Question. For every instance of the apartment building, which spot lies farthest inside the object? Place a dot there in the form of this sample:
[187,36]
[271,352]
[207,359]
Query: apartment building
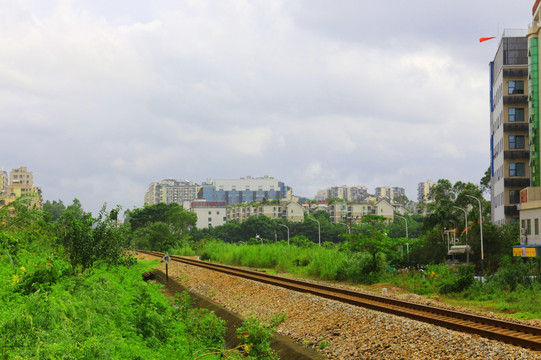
[244,190]
[19,183]
[209,214]
[344,212]
[530,197]
[287,210]
[509,128]
[171,191]
[423,190]
[389,192]
[344,192]
[4,180]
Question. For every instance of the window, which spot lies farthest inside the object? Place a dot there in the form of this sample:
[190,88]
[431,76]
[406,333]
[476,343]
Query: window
[529,226]
[514,196]
[516,142]
[210,219]
[515,87]
[516,169]
[516,114]
[536,226]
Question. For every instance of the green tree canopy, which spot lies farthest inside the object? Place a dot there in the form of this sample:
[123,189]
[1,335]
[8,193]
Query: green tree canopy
[55,208]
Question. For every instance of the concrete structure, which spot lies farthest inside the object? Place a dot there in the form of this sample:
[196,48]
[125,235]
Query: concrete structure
[344,192]
[209,214]
[509,130]
[530,197]
[353,212]
[287,210]
[338,211]
[389,192]
[20,183]
[244,190]
[4,181]
[423,191]
[171,191]
[530,216]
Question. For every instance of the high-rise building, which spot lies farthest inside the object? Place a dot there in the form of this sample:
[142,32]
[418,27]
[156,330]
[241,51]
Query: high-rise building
[389,192]
[21,182]
[171,191]
[530,197]
[244,190]
[423,191]
[3,180]
[509,130]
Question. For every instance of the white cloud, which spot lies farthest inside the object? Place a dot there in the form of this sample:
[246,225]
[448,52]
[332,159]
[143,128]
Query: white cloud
[110,96]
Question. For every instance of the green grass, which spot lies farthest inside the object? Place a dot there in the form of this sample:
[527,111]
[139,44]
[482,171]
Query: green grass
[505,293]
[105,313]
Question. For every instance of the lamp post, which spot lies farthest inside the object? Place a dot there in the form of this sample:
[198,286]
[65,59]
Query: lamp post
[481,232]
[259,238]
[465,221]
[287,232]
[407,236]
[318,230]
[406,221]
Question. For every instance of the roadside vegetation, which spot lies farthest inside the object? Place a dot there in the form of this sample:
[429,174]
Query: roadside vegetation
[69,290]
[378,251]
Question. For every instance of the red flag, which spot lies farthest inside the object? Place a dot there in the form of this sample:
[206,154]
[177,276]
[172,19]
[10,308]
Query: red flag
[486,38]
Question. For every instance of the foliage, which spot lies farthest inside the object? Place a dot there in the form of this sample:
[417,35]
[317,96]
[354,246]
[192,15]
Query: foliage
[515,272]
[460,281]
[375,243]
[160,227]
[87,240]
[255,337]
[55,209]
[108,312]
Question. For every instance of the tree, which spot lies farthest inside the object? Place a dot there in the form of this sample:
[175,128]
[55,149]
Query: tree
[160,226]
[56,209]
[485,181]
[376,241]
[87,240]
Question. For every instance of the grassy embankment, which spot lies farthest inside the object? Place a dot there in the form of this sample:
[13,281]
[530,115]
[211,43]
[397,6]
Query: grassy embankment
[514,290]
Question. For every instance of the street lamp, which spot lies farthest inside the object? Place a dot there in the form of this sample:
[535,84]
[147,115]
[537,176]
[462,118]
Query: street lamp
[318,230]
[407,236]
[481,231]
[465,221]
[406,224]
[287,232]
[259,238]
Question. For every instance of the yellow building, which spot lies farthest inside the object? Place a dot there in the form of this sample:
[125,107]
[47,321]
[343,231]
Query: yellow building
[21,182]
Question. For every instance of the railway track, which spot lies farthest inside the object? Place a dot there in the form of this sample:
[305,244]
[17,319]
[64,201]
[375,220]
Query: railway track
[509,332]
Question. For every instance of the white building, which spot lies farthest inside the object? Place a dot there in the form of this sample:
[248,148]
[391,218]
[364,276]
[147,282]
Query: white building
[209,214]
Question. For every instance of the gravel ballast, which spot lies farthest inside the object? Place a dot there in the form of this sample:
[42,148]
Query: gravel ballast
[340,331]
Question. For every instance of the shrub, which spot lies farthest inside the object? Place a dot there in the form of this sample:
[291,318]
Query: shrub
[256,336]
[459,281]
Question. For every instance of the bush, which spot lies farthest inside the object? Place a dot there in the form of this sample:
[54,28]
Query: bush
[256,337]
[514,272]
[459,281]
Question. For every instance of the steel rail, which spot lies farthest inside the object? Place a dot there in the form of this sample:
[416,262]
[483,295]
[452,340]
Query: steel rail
[509,332]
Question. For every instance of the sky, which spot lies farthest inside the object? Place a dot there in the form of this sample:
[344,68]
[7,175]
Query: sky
[100,98]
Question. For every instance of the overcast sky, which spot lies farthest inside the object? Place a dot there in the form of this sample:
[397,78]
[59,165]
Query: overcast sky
[100,98]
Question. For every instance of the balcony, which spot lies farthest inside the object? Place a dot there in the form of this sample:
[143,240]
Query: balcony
[511,210]
[518,182]
[515,100]
[516,126]
[515,72]
[516,154]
